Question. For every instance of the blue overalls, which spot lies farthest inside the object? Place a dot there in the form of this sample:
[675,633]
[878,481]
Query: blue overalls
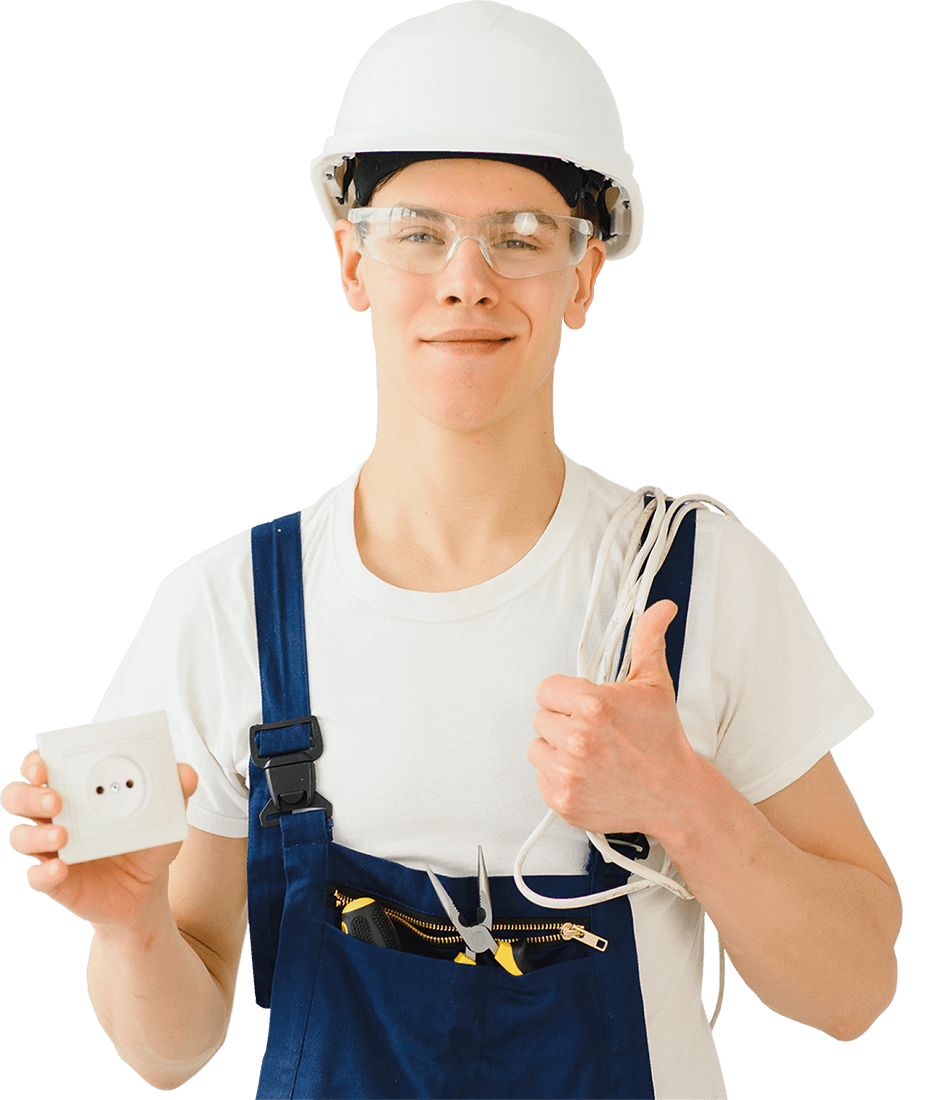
[351,1019]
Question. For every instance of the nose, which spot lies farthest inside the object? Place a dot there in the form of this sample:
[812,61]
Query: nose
[467,278]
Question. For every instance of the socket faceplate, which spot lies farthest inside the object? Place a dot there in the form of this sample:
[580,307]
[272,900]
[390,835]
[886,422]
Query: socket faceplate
[119,786]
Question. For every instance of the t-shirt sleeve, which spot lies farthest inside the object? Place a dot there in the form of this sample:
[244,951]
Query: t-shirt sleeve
[781,699]
[192,659]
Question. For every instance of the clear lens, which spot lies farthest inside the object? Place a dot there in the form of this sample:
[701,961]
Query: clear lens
[517,244]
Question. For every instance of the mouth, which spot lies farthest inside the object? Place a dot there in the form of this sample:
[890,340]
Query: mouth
[467,349]
[473,341]
[451,343]
[470,336]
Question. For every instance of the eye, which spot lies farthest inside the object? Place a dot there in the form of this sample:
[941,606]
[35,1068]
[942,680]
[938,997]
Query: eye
[420,236]
[517,244]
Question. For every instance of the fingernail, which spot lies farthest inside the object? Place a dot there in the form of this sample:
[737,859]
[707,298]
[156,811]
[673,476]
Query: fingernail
[33,773]
[49,801]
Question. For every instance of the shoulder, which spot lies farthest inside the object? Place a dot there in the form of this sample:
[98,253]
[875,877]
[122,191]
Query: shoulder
[735,562]
[223,567]
[226,568]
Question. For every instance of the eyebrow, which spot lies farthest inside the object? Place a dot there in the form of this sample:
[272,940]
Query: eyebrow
[547,220]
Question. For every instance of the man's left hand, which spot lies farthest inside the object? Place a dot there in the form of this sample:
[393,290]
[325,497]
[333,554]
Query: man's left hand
[614,757]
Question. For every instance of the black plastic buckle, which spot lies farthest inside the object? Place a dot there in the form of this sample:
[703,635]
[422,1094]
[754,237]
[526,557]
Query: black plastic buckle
[637,842]
[290,776]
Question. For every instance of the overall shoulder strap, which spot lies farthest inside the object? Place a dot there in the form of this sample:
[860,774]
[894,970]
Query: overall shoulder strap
[673,582]
[280,621]
[285,746]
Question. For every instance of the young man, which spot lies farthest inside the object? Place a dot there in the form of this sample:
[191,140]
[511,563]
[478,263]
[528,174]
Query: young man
[446,584]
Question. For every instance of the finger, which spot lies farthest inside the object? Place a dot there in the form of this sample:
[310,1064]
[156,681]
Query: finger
[536,749]
[47,876]
[541,755]
[33,768]
[562,694]
[25,800]
[551,726]
[649,647]
[189,780]
[43,840]
[38,840]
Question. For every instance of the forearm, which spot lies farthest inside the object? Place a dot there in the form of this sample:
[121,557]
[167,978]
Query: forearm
[813,937]
[156,999]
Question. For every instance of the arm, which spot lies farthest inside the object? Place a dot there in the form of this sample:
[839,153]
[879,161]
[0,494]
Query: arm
[802,897]
[163,989]
[169,925]
[803,900]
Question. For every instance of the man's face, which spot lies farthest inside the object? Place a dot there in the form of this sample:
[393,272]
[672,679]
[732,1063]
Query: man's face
[465,348]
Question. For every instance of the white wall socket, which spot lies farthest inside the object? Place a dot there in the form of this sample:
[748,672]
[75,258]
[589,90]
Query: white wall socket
[119,786]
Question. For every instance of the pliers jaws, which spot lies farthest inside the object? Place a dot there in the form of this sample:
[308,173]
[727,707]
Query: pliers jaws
[476,934]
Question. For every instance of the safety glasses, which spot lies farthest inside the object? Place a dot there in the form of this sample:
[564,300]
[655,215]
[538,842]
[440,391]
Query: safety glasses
[515,244]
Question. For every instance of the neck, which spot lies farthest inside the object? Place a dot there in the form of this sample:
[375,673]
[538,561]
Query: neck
[440,510]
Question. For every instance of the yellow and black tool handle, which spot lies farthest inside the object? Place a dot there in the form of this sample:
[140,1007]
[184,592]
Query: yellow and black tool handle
[512,957]
[364,919]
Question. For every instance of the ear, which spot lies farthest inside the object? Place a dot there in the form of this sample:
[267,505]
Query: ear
[586,273]
[352,275]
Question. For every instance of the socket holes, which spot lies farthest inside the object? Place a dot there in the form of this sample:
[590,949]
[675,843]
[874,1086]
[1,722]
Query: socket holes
[115,788]
[118,787]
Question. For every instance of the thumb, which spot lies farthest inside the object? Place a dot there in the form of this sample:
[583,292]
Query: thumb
[188,778]
[648,646]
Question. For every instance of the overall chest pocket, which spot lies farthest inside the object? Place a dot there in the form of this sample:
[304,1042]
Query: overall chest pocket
[549,940]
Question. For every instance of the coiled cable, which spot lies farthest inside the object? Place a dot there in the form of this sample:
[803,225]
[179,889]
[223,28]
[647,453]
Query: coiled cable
[657,524]
[650,542]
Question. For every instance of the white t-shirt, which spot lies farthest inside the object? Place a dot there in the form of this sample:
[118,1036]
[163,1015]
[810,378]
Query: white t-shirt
[425,700]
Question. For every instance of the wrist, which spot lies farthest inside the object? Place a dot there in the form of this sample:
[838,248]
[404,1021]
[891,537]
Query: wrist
[141,930]
[706,813]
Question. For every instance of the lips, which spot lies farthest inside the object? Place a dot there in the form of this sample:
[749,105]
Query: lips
[469,336]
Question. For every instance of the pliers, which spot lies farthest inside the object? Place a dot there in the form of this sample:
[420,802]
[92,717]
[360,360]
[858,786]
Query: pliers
[477,935]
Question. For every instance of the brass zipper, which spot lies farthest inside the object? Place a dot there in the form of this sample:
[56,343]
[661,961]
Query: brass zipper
[443,934]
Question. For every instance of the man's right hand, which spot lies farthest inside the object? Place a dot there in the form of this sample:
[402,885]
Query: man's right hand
[120,890]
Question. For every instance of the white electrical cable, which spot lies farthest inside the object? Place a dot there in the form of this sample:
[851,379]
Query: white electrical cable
[641,563]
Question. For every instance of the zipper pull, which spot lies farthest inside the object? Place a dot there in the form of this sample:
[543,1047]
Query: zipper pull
[579,932]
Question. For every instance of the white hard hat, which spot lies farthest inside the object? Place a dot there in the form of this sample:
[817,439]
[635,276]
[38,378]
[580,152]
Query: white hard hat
[483,77]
